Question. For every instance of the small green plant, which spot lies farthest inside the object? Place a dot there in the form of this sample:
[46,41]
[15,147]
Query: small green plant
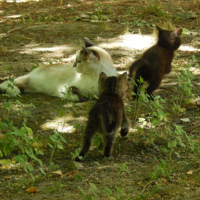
[162,170]
[154,10]
[98,9]
[76,154]
[184,87]
[122,167]
[93,193]
[24,140]
[141,98]
[56,143]
[179,138]
[185,31]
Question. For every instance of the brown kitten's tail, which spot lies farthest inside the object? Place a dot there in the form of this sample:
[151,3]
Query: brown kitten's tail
[107,123]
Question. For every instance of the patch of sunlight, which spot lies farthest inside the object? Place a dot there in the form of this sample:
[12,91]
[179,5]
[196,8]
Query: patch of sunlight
[61,124]
[131,41]
[13,16]
[58,51]
[188,48]
[2,35]
[19,1]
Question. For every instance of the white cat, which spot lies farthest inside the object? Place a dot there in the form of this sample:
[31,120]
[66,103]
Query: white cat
[55,80]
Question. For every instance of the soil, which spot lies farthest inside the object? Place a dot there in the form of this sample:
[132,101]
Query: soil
[45,32]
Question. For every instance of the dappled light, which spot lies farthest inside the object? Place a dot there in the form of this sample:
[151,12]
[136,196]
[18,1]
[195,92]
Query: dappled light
[62,124]
[188,48]
[20,1]
[58,51]
[130,42]
[156,150]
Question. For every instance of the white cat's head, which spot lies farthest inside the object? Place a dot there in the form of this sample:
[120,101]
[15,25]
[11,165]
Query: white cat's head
[93,60]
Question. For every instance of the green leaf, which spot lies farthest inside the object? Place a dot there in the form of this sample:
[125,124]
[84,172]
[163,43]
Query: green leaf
[30,132]
[164,150]
[93,187]
[107,191]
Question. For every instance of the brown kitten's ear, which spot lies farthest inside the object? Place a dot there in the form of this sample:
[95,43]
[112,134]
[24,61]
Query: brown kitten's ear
[102,75]
[179,31]
[88,43]
[124,75]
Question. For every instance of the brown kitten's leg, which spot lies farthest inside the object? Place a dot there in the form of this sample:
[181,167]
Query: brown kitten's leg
[85,148]
[76,91]
[125,125]
[109,144]
[89,133]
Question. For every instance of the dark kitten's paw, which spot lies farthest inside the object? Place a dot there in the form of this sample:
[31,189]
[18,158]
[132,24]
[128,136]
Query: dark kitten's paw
[107,152]
[107,155]
[151,97]
[77,159]
[124,132]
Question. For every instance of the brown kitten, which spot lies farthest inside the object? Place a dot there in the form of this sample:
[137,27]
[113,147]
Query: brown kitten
[107,116]
[156,61]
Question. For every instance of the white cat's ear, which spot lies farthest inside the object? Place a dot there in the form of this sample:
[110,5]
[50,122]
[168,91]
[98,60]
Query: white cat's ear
[89,52]
[178,31]
[88,43]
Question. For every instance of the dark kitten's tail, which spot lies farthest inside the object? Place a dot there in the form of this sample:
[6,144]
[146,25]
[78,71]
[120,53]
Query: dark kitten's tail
[137,64]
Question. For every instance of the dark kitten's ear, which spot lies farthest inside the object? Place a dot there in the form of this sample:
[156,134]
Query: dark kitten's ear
[102,75]
[160,30]
[179,31]
[88,43]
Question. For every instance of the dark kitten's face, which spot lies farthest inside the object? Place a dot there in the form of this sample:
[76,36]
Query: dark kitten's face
[116,85]
[173,37]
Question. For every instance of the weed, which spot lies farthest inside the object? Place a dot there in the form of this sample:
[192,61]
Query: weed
[56,143]
[154,10]
[162,170]
[184,87]
[122,167]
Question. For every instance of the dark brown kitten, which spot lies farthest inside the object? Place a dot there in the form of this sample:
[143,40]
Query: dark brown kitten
[107,116]
[156,61]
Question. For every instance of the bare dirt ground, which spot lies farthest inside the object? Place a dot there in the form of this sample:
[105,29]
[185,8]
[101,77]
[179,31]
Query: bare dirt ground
[44,32]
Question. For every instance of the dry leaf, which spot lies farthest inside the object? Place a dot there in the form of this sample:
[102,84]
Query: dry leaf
[190,172]
[185,120]
[31,190]
[59,173]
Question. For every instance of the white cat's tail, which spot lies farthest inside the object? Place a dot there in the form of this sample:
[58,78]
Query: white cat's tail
[14,87]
